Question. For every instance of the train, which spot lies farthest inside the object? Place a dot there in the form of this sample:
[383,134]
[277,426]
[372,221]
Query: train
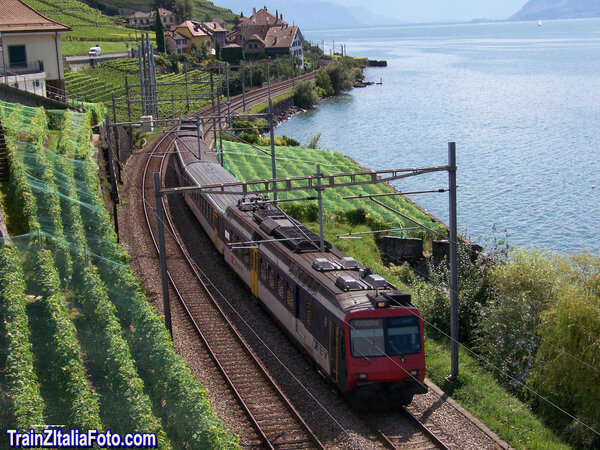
[363,334]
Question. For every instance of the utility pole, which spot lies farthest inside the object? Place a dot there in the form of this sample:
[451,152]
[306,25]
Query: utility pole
[293,80]
[219,93]
[243,75]
[453,261]
[320,202]
[161,253]
[271,133]
[212,98]
[228,103]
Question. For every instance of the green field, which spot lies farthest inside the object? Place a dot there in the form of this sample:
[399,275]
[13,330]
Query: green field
[247,163]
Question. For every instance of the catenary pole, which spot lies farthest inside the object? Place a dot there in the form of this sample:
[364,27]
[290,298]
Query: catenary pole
[272,135]
[453,260]
[320,202]
[161,253]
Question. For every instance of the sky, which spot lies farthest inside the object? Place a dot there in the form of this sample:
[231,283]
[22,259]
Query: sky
[438,10]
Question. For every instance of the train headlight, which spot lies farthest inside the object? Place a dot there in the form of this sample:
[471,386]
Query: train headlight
[382,304]
[361,376]
[414,373]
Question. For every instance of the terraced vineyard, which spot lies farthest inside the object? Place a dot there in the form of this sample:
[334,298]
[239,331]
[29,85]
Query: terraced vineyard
[247,163]
[81,345]
[96,85]
[90,27]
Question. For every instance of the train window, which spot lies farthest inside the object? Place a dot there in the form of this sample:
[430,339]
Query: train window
[367,338]
[280,286]
[403,336]
[272,279]
[263,269]
[308,314]
[289,295]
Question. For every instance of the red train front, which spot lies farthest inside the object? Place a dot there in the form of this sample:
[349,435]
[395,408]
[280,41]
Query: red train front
[385,356]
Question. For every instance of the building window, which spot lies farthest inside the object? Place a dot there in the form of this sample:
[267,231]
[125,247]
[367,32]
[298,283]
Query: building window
[308,314]
[16,56]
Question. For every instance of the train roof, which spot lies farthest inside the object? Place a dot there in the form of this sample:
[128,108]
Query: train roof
[329,275]
[212,173]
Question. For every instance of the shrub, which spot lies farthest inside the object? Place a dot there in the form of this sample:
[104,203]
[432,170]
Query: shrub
[305,94]
[323,81]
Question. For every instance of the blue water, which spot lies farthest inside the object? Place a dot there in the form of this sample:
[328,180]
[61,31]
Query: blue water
[521,102]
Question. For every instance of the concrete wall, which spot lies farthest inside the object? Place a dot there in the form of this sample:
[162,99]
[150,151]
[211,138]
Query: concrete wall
[10,94]
[38,47]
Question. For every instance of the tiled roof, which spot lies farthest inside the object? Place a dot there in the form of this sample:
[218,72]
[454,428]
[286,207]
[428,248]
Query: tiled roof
[263,17]
[214,27]
[16,16]
[281,37]
[194,28]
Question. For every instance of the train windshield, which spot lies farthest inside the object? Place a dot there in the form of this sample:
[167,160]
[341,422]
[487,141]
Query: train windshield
[386,336]
[366,337]
[403,337]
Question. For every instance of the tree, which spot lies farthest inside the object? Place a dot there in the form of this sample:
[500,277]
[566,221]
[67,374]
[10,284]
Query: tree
[183,9]
[524,287]
[324,82]
[305,94]
[160,33]
[572,324]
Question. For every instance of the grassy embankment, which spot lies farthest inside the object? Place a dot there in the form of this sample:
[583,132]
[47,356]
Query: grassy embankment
[476,388]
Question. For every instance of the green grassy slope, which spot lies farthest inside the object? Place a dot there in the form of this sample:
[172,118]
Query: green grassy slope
[246,163]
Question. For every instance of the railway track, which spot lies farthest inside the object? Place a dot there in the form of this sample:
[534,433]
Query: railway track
[404,430]
[274,421]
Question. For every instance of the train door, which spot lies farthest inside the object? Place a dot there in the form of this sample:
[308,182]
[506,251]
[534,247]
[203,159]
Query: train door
[334,350]
[216,223]
[299,299]
[254,271]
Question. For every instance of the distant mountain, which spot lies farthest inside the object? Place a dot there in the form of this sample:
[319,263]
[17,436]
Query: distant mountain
[558,9]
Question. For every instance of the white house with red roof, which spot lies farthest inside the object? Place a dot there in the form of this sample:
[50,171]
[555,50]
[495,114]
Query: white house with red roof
[31,55]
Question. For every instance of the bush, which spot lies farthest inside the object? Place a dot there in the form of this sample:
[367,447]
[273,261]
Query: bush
[342,74]
[474,292]
[524,287]
[323,81]
[305,94]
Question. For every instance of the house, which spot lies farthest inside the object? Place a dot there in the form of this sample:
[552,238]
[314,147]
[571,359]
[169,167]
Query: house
[176,42]
[254,47]
[31,56]
[195,33]
[285,40]
[257,24]
[143,19]
[265,33]
[217,31]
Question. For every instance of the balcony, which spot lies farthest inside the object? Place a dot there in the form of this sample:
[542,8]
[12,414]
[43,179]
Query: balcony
[24,68]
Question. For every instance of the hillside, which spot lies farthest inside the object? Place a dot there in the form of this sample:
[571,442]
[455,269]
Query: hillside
[203,9]
[558,9]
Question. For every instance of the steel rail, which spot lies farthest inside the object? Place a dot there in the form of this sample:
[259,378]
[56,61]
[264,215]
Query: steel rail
[208,347]
[430,434]
[212,354]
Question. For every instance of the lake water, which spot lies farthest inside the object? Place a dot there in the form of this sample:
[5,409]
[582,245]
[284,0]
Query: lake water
[522,103]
